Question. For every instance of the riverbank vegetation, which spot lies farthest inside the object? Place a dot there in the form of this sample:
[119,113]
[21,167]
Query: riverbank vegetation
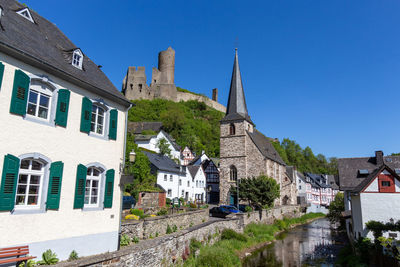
[335,211]
[226,251]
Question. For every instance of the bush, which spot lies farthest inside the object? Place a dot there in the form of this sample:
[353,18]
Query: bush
[135,239]
[138,212]
[174,228]
[248,209]
[168,201]
[231,234]
[217,256]
[194,246]
[169,229]
[48,258]
[29,263]
[162,212]
[193,206]
[125,240]
[73,256]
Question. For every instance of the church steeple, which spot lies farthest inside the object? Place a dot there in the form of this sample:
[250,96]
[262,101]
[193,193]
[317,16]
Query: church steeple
[237,108]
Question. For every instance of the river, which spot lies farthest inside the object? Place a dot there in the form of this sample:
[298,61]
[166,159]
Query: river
[313,244]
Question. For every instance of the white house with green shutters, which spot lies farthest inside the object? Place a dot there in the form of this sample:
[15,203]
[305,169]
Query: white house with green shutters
[62,141]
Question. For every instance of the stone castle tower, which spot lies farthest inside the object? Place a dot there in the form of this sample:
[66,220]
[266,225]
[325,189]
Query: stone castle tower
[162,85]
[244,151]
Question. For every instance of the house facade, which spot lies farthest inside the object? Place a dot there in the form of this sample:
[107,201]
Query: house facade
[63,141]
[187,156]
[371,188]
[198,177]
[244,151]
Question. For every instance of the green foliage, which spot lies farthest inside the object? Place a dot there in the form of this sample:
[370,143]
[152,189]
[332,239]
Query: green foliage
[335,210]
[163,146]
[162,212]
[174,228]
[138,212]
[248,209]
[191,123]
[29,263]
[73,256]
[194,246]
[258,191]
[148,132]
[125,240]
[231,234]
[304,159]
[135,239]
[48,258]
[217,256]
[193,206]
[168,201]
[347,257]
[169,230]
[179,89]
[378,227]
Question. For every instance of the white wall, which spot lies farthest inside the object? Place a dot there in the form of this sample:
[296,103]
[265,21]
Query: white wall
[201,178]
[373,187]
[152,145]
[72,147]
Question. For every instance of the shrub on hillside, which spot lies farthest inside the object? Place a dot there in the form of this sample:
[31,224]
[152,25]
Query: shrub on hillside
[231,234]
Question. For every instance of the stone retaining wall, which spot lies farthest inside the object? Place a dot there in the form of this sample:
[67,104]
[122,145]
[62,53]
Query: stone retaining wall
[152,225]
[269,216]
[184,96]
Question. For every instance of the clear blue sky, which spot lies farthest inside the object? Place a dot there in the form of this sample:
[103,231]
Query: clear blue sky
[324,73]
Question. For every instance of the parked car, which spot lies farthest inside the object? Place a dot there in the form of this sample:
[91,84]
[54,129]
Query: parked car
[219,212]
[232,209]
[128,202]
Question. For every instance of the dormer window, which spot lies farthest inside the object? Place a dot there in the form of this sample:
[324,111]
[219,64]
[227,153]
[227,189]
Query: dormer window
[77,58]
[26,14]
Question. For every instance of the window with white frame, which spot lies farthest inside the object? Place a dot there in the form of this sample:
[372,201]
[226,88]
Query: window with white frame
[169,193]
[188,183]
[30,182]
[180,181]
[77,58]
[92,190]
[97,122]
[197,183]
[183,193]
[39,100]
[171,178]
[165,178]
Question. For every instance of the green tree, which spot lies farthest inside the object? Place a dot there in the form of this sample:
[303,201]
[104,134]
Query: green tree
[259,191]
[336,208]
[163,146]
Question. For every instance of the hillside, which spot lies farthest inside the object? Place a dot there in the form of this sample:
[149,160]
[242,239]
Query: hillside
[196,125]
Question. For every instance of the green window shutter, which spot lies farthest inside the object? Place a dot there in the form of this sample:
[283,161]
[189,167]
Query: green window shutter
[86,115]
[1,73]
[112,132]
[109,189]
[62,107]
[9,180]
[80,187]
[20,91]
[54,190]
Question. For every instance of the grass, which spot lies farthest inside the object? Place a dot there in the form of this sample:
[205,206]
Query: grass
[225,251]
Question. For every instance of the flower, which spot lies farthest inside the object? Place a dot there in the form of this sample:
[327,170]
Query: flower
[131,217]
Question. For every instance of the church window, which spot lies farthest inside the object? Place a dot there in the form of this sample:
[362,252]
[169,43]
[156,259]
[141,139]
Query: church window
[231,129]
[233,173]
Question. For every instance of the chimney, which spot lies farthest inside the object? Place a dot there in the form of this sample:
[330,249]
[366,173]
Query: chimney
[379,157]
[215,94]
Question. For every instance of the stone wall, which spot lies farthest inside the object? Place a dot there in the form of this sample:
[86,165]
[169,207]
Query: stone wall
[153,225]
[269,216]
[183,96]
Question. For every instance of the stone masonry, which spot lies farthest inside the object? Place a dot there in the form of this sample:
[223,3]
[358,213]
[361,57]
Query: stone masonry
[162,85]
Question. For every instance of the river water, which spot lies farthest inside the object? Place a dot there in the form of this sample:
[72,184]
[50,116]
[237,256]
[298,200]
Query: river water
[313,244]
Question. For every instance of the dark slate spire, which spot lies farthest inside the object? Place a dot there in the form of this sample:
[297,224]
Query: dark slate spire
[237,108]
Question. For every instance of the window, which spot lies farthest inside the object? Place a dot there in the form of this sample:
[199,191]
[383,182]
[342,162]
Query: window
[169,192]
[188,183]
[92,187]
[180,181]
[232,129]
[26,14]
[171,178]
[385,183]
[183,193]
[97,122]
[165,177]
[233,173]
[29,186]
[197,183]
[299,187]
[39,100]
[77,58]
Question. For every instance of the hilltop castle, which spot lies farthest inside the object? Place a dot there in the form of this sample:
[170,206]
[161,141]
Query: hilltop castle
[162,83]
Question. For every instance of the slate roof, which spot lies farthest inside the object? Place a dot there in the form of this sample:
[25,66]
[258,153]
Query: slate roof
[193,169]
[139,127]
[43,45]
[332,182]
[372,176]
[349,176]
[163,163]
[317,180]
[290,172]
[237,108]
[265,147]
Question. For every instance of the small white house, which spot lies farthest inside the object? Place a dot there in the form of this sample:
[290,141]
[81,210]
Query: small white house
[198,178]
[372,187]
[150,142]
[62,142]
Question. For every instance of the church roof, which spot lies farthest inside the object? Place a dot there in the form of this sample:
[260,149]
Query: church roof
[237,108]
[265,147]
[40,43]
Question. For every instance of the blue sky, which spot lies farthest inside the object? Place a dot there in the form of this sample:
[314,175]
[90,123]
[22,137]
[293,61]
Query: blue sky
[324,73]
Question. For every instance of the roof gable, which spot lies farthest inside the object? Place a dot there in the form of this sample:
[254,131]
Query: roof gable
[368,184]
[265,147]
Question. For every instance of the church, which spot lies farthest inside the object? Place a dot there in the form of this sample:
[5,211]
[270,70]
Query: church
[246,152]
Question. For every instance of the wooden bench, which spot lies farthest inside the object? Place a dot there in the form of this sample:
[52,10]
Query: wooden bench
[15,254]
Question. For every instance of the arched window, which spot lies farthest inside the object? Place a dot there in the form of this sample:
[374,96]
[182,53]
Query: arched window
[40,99]
[97,121]
[77,58]
[233,173]
[232,129]
[92,189]
[30,182]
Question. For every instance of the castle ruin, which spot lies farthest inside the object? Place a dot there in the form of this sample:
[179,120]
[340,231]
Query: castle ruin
[162,85]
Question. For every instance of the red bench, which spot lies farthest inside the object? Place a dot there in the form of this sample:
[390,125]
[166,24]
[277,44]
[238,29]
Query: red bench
[15,254]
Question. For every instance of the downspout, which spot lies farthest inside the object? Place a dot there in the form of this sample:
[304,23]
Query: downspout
[121,173]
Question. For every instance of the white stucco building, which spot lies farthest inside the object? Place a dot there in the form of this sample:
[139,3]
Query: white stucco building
[198,187]
[372,187]
[62,143]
